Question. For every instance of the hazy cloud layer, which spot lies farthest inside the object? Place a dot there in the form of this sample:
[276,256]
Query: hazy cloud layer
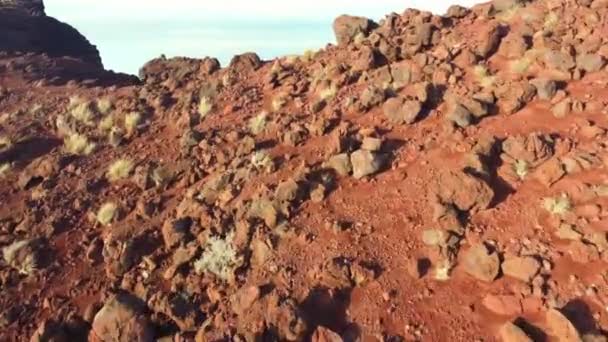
[130,32]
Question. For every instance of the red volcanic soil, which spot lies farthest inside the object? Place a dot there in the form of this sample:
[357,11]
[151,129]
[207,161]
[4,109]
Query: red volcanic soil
[430,178]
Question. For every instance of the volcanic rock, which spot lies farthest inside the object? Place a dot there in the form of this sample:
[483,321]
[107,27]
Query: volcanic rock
[347,27]
[481,263]
[122,319]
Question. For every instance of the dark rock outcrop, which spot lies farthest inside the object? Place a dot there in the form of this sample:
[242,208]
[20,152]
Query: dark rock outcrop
[37,46]
[22,32]
[31,7]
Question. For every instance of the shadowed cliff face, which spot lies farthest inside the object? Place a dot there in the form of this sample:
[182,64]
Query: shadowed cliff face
[25,28]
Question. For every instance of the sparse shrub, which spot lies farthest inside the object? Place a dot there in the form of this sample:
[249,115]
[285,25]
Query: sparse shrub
[278,102]
[228,79]
[132,120]
[442,270]
[104,106]
[521,65]
[115,136]
[5,142]
[25,265]
[219,258]
[557,205]
[308,55]
[276,68]
[119,169]
[4,169]
[106,123]
[291,59]
[521,168]
[37,108]
[204,106]
[328,93]
[482,74]
[257,124]
[82,111]
[359,38]
[261,160]
[63,126]
[508,14]
[78,144]
[551,20]
[106,213]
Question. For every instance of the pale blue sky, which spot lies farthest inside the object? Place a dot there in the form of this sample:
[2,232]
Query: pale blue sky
[130,32]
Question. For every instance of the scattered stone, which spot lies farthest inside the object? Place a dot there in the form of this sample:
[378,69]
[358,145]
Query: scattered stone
[317,193]
[365,163]
[560,327]
[504,305]
[217,183]
[456,11]
[506,5]
[459,115]
[488,40]
[522,268]
[559,60]
[264,210]
[178,308]
[510,332]
[401,73]
[568,232]
[513,46]
[477,108]
[364,59]
[322,334]
[399,110]
[122,319]
[340,163]
[590,62]
[550,172]
[180,257]
[545,88]
[533,149]
[562,108]
[295,136]
[289,323]
[175,231]
[434,237]
[447,217]
[466,192]
[481,263]
[49,331]
[594,337]
[36,172]
[371,97]
[244,299]
[371,144]
[588,211]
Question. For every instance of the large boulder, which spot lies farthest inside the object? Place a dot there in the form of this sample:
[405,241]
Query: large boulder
[177,68]
[245,62]
[399,110]
[347,27]
[463,190]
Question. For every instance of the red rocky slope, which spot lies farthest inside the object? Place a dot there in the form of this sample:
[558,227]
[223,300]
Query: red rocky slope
[431,178]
